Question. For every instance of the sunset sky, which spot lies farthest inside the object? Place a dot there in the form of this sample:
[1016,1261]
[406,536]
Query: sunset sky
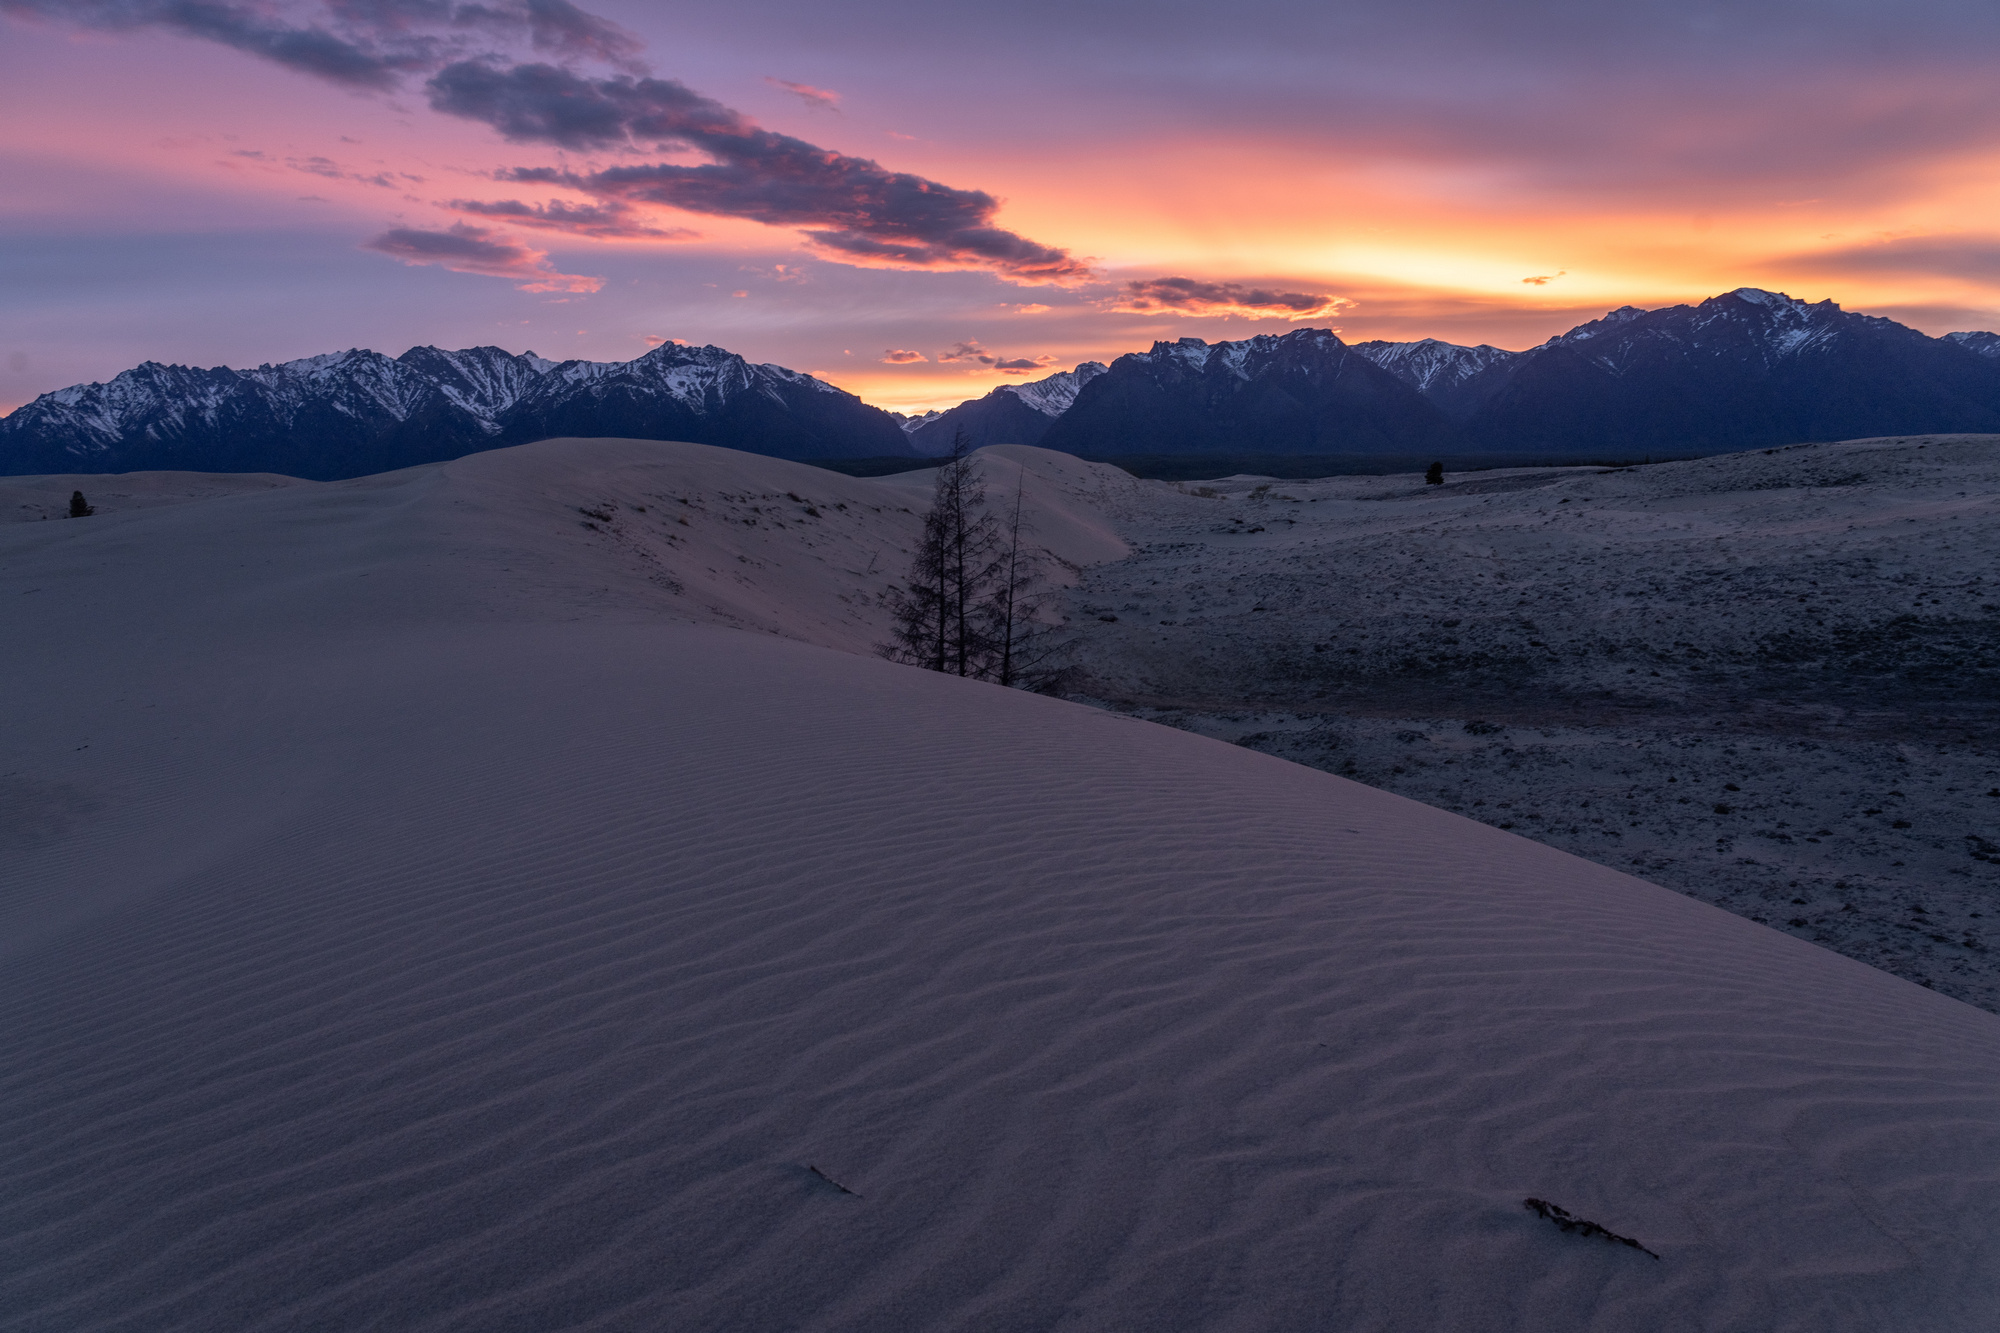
[918,202]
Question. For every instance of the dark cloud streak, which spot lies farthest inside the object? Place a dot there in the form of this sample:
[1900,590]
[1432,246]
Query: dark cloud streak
[851,208]
[464,248]
[378,64]
[542,103]
[597,221]
[1192,296]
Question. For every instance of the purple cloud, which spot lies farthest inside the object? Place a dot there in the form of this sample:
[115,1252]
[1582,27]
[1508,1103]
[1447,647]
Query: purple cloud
[818,98]
[1191,296]
[1022,365]
[850,207]
[561,29]
[464,248]
[602,222]
[542,103]
[976,353]
[966,351]
[377,62]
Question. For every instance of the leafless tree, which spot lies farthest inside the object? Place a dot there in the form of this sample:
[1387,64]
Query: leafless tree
[938,620]
[1023,648]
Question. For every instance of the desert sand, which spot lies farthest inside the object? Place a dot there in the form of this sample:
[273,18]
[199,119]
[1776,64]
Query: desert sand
[506,894]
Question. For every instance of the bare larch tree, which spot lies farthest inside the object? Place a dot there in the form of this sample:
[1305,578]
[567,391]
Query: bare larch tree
[1023,648]
[938,624]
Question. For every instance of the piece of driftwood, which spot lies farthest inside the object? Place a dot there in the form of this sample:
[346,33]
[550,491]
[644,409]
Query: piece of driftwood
[1563,1218]
[831,1181]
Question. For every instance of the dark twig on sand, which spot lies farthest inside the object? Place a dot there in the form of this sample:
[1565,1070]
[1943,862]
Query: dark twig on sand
[1562,1218]
[831,1181]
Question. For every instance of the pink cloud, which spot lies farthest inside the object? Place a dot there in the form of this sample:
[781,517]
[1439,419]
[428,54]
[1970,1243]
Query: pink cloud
[819,98]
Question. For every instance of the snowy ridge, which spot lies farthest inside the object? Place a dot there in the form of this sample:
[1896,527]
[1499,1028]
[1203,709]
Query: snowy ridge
[1624,314]
[1771,369]
[1772,325]
[1234,357]
[1052,396]
[1433,367]
[354,412]
[1980,343]
[483,382]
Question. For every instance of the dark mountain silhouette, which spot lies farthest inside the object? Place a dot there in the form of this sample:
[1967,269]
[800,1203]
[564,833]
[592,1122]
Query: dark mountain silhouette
[1303,392]
[1010,414]
[1744,370]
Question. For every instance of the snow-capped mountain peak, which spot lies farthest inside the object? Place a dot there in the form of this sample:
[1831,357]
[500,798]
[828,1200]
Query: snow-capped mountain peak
[1771,300]
[1431,366]
[328,414]
[1052,396]
[1978,342]
[1235,356]
[1607,323]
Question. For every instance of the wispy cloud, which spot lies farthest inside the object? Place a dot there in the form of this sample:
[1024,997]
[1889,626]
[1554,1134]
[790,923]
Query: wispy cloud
[464,248]
[1968,257]
[897,356]
[1192,296]
[966,351]
[848,208]
[1023,365]
[975,353]
[820,99]
[596,221]
[361,45]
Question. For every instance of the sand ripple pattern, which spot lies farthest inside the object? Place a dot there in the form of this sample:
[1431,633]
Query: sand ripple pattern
[513,977]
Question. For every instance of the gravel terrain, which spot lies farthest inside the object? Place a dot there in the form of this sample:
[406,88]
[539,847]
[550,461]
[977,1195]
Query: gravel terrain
[1770,680]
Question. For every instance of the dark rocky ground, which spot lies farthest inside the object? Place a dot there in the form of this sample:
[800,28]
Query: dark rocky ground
[1770,681]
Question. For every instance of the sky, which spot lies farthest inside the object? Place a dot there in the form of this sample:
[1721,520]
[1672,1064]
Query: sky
[919,202]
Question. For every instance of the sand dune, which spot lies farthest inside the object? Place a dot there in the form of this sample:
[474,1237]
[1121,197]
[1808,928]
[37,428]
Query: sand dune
[423,914]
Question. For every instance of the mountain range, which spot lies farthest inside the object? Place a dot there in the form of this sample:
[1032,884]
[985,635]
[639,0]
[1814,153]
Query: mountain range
[1743,370]
[349,414]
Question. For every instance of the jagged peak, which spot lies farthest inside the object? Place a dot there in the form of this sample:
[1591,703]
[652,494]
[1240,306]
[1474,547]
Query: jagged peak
[1197,353]
[1980,342]
[1775,300]
[1053,394]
